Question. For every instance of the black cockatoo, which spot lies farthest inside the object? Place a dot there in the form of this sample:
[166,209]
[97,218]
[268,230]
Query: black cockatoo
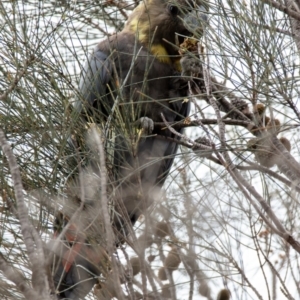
[131,79]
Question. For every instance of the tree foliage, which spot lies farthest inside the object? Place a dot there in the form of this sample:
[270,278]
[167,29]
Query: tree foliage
[228,218]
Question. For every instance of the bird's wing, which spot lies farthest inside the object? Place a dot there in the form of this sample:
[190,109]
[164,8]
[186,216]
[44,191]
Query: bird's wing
[174,112]
[171,149]
[95,76]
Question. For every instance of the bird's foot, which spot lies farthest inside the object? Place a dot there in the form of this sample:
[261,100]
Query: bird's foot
[191,66]
[146,124]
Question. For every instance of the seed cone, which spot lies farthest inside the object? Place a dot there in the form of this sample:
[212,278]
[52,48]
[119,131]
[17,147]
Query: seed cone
[242,106]
[260,108]
[189,45]
[172,261]
[136,265]
[286,143]
[204,289]
[273,126]
[265,157]
[252,144]
[151,258]
[145,240]
[280,161]
[203,152]
[263,152]
[224,295]
[162,275]
[162,229]
[267,120]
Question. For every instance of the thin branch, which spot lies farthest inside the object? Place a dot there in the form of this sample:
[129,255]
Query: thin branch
[20,74]
[283,8]
[15,276]
[104,202]
[109,234]
[185,124]
[31,237]
[242,183]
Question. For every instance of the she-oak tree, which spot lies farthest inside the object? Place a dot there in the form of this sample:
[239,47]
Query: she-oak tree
[229,217]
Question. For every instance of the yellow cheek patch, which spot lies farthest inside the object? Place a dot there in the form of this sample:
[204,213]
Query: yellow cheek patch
[139,28]
[161,53]
[177,65]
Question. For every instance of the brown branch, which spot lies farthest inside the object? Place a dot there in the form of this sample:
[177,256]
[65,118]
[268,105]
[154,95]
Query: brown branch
[183,124]
[283,8]
[20,74]
[242,183]
[287,163]
[256,167]
[276,29]
[244,276]
[18,279]
[105,213]
[32,240]
[103,183]
[169,272]
[157,125]
[244,186]
[280,230]
[252,167]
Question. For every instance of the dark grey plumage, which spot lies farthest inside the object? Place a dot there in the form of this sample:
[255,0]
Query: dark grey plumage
[129,81]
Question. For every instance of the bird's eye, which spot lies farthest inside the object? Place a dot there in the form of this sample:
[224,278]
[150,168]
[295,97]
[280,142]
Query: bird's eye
[173,10]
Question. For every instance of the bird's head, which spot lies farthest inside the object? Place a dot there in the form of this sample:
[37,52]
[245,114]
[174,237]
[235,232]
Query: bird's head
[162,25]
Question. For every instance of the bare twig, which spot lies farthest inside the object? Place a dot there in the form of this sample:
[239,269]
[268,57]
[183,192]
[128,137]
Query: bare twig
[283,8]
[15,276]
[32,240]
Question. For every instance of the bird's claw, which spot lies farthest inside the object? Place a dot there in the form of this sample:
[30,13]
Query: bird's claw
[146,124]
[190,67]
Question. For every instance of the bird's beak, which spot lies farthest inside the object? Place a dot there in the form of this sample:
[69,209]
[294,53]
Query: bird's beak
[196,20]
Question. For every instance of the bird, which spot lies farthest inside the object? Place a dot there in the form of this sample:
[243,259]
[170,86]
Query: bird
[134,77]
[131,80]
